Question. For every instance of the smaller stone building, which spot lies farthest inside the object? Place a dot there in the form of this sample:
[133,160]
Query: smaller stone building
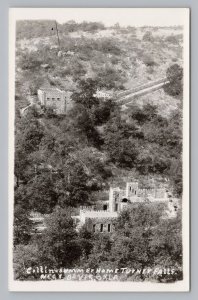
[54,98]
[38,222]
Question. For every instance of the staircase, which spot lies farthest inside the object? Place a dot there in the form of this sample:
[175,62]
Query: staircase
[127,97]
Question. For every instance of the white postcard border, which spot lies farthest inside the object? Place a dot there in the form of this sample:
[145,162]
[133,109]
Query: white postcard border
[183,14]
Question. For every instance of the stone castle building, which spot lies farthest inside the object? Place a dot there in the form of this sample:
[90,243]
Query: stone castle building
[101,218]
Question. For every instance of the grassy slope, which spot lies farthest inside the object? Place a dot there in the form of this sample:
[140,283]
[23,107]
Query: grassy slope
[140,61]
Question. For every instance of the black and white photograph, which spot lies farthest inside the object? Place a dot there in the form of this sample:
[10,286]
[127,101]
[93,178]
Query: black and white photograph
[99,149]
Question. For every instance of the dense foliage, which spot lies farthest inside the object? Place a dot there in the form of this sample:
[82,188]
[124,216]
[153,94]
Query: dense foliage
[63,161]
[175,75]
[142,240]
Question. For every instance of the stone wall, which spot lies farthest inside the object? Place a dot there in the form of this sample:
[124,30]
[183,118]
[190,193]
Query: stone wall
[92,214]
[134,194]
[103,225]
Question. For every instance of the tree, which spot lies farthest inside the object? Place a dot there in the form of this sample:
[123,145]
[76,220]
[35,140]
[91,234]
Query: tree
[109,78]
[21,166]
[134,230]
[85,96]
[101,113]
[86,239]
[120,141]
[143,115]
[30,135]
[25,256]
[84,125]
[41,193]
[100,255]
[22,225]
[81,176]
[166,247]
[176,175]
[175,76]
[142,239]
[89,111]
[59,240]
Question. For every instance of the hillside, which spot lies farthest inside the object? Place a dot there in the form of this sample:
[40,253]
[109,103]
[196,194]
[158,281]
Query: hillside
[142,141]
[67,160]
[119,58]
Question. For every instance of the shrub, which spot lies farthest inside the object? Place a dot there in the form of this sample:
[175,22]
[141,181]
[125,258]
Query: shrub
[148,61]
[148,37]
[172,39]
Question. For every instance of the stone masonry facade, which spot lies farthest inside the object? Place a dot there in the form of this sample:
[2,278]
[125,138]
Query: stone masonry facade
[103,219]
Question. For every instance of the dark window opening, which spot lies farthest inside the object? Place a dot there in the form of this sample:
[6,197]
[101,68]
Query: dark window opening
[94,228]
[58,98]
[105,207]
[109,227]
[101,227]
[124,200]
[116,207]
[135,192]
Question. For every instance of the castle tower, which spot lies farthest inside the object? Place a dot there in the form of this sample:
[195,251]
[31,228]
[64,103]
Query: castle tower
[131,189]
[114,197]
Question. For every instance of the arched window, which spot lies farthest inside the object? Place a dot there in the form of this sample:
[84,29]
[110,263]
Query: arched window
[101,227]
[109,227]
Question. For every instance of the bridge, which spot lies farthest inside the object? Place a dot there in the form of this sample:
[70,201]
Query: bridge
[126,97]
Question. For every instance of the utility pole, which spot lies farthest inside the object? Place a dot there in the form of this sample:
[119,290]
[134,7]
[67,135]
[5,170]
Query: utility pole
[56,25]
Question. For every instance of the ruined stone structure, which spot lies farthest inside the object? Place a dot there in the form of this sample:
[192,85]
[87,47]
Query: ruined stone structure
[54,98]
[103,219]
[102,94]
[102,216]
[37,222]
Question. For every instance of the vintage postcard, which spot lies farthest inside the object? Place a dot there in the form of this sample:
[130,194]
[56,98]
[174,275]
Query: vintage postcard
[99,149]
